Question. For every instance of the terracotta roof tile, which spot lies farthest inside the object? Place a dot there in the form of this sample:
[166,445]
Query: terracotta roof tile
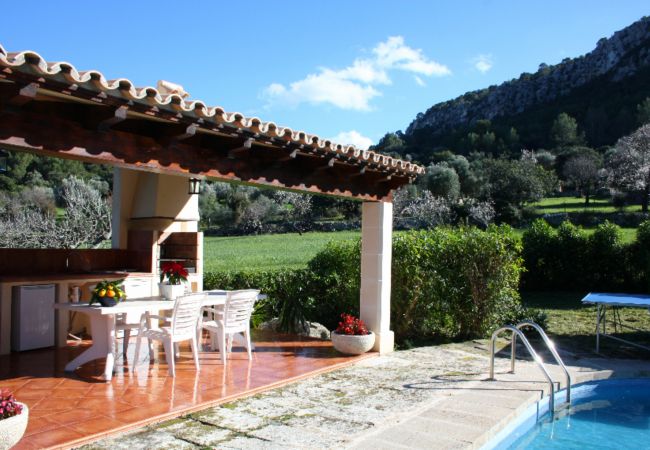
[170,97]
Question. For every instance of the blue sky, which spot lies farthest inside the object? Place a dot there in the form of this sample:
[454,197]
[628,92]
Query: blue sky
[351,70]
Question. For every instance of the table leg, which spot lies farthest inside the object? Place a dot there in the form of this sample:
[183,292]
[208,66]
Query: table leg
[598,328]
[103,331]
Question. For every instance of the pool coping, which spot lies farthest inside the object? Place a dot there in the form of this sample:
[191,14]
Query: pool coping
[534,408]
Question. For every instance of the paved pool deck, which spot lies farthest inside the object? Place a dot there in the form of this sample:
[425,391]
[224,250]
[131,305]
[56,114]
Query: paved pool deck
[427,397]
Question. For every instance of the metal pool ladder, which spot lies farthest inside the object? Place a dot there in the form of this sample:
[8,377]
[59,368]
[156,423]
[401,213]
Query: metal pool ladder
[516,332]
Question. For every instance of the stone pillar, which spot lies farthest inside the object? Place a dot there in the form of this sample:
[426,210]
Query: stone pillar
[376,255]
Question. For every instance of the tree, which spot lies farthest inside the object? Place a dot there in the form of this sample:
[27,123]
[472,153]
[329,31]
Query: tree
[643,111]
[629,164]
[564,131]
[512,183]
[584,172]
[85,223]
[430,211]
[391,142]
[442,181]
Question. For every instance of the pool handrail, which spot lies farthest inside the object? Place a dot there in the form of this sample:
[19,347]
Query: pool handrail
[551,346]
[540,362]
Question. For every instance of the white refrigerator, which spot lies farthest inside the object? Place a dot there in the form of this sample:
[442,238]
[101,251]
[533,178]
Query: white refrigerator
[32,317]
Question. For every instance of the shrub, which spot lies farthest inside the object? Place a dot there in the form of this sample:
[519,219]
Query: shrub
[334,282]
[567,258]
[453,283]
[642,254]
[540,256]
[607,258]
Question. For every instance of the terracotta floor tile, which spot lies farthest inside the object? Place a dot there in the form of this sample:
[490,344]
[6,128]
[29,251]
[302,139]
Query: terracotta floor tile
[69,393]
[51,405]
[96,426]
[79,414]
[65,408]
[55,437]
[39,425]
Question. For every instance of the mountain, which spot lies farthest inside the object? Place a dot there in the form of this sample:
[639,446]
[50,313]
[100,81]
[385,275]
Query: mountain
[601,90]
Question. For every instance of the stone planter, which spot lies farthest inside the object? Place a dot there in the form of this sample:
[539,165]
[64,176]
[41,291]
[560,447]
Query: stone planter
[13,428]
[171,291]
[353,344]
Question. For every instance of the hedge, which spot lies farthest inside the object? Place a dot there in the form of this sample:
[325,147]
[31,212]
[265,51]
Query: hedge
[451,283]
[567,258]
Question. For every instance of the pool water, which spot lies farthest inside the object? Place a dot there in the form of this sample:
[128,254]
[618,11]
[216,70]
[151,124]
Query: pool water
[611,414]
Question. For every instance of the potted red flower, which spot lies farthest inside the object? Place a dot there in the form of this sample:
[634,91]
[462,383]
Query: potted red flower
[352,336]
[172,276]
[13,419]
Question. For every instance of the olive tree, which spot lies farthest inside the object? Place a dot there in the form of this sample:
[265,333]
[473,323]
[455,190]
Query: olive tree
[629,164]
[86,221]
[584,172]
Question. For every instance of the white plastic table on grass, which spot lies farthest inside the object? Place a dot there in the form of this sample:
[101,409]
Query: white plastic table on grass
[603,300]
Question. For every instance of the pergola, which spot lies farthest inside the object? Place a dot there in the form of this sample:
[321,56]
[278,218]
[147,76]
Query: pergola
[156,139]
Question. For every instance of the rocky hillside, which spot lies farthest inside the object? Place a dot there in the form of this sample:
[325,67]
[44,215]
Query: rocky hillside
[615,60]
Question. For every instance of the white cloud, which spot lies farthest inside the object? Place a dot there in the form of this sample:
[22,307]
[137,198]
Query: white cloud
[353,87]
[394,54]
[324,87]
[352,137]
[483,63]
[419,81]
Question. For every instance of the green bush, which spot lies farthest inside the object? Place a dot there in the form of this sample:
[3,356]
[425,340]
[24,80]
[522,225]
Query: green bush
[607,258]
[452,283]
[642,254]
[567,258]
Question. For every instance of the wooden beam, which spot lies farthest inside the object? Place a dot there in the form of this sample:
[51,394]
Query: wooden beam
[190,131]
[118,116]
[54,134]
[245,148]
[25,95]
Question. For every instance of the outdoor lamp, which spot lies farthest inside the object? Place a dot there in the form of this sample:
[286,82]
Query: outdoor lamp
[3,160]
[195,186]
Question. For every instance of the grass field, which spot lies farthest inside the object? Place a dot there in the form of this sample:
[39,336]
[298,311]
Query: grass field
[267,252]
[552,205]
[573,325]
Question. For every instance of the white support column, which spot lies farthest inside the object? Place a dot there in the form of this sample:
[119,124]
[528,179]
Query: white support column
[376,256]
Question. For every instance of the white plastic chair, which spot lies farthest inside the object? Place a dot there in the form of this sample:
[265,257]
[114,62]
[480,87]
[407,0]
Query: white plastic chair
[234,317]
[182,327]
[123,323]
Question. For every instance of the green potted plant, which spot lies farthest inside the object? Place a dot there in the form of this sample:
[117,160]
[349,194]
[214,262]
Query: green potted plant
[352,336]
[172,277]
[108,293]
[13,419]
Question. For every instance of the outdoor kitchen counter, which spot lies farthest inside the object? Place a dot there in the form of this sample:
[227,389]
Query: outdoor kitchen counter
[67,276]
[63,282]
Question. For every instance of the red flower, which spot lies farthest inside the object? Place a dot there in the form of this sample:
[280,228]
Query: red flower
[350,325]
[8,405]
[174,271]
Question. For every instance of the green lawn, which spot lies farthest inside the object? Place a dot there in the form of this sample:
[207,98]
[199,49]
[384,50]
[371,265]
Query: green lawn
[552,205]
[267,252]
[573,325]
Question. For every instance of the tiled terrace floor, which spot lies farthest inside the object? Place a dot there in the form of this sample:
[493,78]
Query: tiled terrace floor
[70,409]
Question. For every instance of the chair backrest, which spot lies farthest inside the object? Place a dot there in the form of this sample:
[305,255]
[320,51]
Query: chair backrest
[186,314]
[238,309]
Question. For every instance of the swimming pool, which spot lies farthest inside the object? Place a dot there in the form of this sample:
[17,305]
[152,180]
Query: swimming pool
[603,415]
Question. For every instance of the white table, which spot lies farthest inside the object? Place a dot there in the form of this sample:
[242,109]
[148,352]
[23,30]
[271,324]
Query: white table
[603,300]
[102,323]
